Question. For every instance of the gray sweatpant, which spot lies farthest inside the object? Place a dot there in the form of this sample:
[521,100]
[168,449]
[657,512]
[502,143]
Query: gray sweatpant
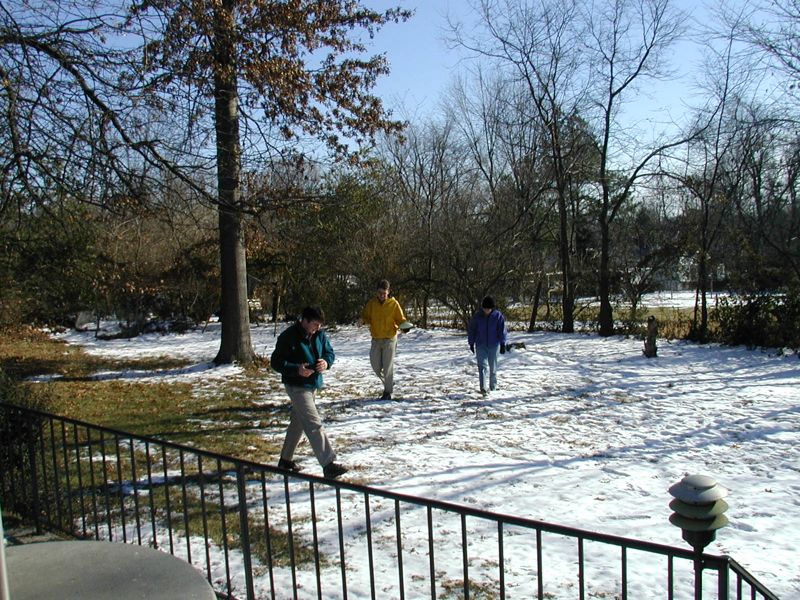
[381,357]
[306,419]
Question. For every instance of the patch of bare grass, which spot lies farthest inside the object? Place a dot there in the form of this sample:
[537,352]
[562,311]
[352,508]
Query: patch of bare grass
[229,419]
[28,352]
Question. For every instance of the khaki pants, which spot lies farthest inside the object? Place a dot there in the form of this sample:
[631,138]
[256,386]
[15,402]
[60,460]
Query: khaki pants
[306,419]
[381,357]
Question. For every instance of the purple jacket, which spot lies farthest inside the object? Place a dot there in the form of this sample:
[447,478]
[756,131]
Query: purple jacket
[487,330]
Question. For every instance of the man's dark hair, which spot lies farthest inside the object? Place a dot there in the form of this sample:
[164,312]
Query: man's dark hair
[313,313]
[383,284]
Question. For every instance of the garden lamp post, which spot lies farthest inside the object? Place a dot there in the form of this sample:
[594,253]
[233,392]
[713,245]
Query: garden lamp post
[699,511]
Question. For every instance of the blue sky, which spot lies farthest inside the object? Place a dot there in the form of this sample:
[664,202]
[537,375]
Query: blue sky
[422,66]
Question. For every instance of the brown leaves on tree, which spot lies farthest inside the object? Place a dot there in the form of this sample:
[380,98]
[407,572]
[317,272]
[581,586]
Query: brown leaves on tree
[298,65]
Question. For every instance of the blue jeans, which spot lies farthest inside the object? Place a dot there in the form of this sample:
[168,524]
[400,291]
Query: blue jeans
[487,365]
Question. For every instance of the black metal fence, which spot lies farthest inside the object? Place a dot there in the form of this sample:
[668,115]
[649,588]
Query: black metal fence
[259,532]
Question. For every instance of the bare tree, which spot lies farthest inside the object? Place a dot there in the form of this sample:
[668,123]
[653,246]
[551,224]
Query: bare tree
[578,63]
[647,249]
[508,150]
[535,45]
[772,30]
[766,223]
[771,27]
[424,172]
[625,45]
[72,122]
[714,169]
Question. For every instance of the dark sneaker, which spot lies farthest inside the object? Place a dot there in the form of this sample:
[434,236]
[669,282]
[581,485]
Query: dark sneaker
[484,393]
[289,465]
[332,470]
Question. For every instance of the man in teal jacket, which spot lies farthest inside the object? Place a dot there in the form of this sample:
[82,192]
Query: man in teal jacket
[302,353]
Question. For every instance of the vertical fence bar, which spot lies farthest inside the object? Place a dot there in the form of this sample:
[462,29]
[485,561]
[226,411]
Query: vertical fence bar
[315,538]
[244,531]
[135,485]
[5,435]
[34,482]
[399,548]
[203,511]
[698,575]
[464,555]
[19,474]
[67,478]
[723,581]
[106,495]
[370,557]
[151,494]
[185,499]
[624,574]
[80,479]
[581,573]
[431,559]
[95,515]
[223,524]
[341,540]
[17,477]
[42,462]
[290,532]
[167,502]
[670,578]
[56,474]
[120,490]
[539,571]
[501,560]
[267,533]
[5,593]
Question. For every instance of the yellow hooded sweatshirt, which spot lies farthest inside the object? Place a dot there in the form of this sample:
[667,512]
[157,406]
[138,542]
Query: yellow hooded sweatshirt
[383,318]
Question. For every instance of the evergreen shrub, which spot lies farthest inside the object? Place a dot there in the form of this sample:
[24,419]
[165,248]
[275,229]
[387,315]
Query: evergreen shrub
[760,320]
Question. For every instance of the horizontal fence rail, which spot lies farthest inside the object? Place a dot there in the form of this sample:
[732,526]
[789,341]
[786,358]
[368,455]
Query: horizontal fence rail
[256,531]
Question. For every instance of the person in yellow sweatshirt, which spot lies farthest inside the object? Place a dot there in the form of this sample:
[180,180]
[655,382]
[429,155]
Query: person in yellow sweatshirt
[384,316]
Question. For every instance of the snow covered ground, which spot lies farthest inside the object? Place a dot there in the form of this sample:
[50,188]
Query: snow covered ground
[583,431]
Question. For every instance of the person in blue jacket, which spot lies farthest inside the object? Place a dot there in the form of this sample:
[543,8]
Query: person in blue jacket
[487,335]
[302,354]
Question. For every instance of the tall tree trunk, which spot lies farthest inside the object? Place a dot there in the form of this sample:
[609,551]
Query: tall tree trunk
[699,328]
[702,328]
[426,294]
[567,285]
[235,345]
[606,316]
[535,310]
